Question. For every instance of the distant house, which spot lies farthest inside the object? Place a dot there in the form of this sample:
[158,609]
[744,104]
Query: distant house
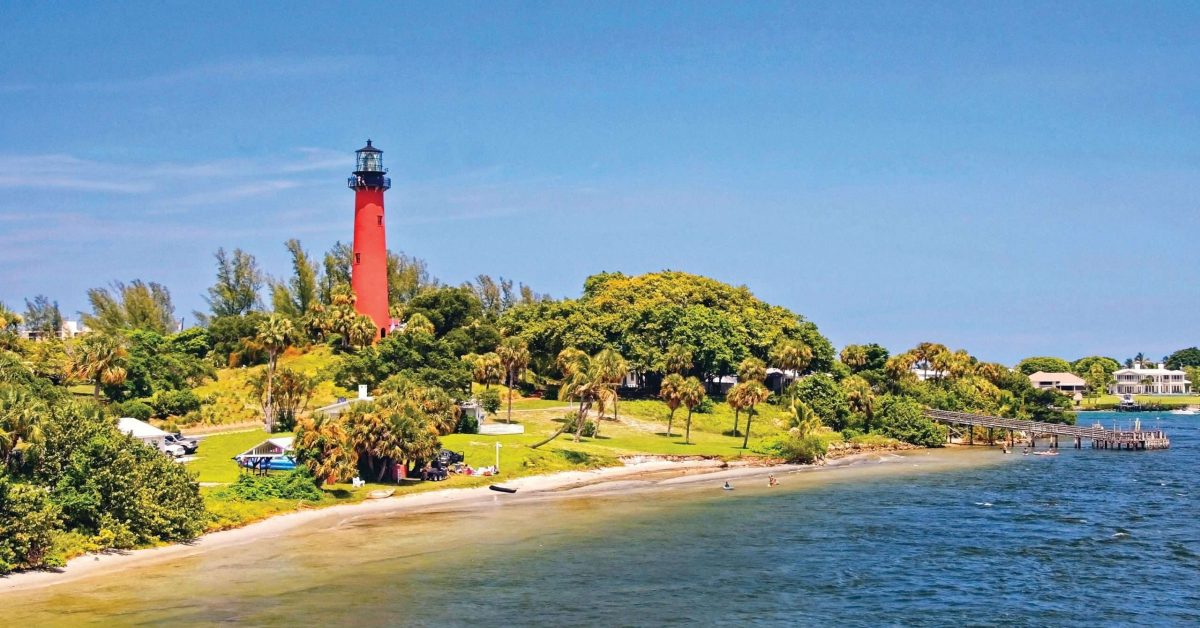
[1068,384]
[341,405]
[779,379]
[69,329]
[142,431]
[1156,380]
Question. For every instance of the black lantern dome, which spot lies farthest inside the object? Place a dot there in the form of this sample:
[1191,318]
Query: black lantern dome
[369,171]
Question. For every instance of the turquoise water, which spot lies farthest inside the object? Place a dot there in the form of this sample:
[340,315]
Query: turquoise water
[1087,538]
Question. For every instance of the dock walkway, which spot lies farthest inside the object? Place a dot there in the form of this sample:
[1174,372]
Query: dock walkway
[1134,439]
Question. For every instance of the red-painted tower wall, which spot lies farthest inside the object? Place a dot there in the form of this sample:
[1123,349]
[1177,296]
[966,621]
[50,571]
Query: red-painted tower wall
[368,270]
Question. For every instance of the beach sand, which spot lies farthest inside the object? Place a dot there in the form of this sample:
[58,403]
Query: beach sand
[644,474]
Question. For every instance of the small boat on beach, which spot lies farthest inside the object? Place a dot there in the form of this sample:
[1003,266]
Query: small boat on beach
[502,489]
[381,493]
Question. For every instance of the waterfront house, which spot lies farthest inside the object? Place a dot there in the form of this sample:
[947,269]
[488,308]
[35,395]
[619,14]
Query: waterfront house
[1068,384]
[1155,380]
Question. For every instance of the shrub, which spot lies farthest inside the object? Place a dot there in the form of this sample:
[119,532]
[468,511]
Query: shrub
[572,421]
[297,484]
[795,448]
[904,419]
[134,408]
[705,406]
[467,424]
[174,402]
[28,521]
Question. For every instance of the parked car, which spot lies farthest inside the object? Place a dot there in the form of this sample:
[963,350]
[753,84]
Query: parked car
[189,445]
[174,451]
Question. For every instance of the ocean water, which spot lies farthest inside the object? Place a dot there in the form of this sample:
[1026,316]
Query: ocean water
[1087,538]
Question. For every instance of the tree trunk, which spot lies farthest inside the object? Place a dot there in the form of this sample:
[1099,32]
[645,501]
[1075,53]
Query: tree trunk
[749,418]
[687,431]
[96,390]
[510,379]
[736,415]
[268,407]
[670,419]
[582,418]
[552,436]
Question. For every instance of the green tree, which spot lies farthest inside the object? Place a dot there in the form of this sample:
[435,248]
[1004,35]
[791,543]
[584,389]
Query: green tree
[239,281]
[274,336]
[1029,366]
[671,392]
[904,419]
[1083,366]
[677,359]
[418,323]
[860,398]
[294,297]
[611,367]
[325,447]
[825,397]
[29,521]
[691,395]
[737,399]
[20,425]
[791,355]
[755,394]
[752,370]
[136,305]
[42,316]
[99,358]
[1098,380]
[514,357]
[1183,358]
[9,320]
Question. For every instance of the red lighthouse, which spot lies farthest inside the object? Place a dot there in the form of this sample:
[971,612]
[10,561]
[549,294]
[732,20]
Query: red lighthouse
[368,271]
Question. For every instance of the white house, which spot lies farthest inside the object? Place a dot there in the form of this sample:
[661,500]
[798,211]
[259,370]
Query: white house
[142,431]
[1156,380]
[1067,383]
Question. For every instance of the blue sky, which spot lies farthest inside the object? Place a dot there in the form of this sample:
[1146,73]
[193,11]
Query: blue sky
[1015,179]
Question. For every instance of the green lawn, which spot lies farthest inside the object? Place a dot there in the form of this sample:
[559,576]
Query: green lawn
[641,431]
[1161,400]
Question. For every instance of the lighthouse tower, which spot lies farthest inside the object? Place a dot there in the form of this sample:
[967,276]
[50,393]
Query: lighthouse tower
[368,270]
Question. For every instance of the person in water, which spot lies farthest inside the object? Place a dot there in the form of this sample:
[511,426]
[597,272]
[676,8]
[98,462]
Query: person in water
[771,481]
[728,486]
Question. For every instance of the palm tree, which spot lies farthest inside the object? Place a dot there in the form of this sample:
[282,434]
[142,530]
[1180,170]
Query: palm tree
[362,331]
[860,398]
[418,323]
[736,398]
[755,393]
[752,370]
[791,355]
[100,358]
[677,359]
[803,419]
[611,368]
[514,358]
[487,367]
[274,335]
[854,356]
[20,423]
[8,318]
[671,393]
[325,446]
[691,395]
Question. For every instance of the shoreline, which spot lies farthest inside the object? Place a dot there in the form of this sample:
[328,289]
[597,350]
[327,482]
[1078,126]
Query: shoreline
[555,485]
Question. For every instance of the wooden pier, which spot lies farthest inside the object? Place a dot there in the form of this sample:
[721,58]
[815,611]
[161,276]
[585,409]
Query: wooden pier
[1135,439]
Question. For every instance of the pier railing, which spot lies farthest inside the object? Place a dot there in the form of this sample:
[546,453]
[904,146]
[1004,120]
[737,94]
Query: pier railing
[1100,437]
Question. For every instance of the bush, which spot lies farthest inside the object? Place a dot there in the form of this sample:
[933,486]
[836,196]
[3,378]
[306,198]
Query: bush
[297,484]
[467,424]
[705,406]
[134,408]
[174,402]
[851,433]
[572,421]
[795,448]
[904,419]
[28,521]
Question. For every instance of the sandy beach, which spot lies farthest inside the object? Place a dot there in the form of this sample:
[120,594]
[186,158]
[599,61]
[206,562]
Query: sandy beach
[644,473]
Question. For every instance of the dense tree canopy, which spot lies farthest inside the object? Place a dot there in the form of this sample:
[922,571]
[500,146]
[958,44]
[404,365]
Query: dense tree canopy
[1029,366]
[643,316]
[1184,357]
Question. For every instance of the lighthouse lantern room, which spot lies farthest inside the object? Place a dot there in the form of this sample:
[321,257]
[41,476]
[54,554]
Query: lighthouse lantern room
[368,270]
